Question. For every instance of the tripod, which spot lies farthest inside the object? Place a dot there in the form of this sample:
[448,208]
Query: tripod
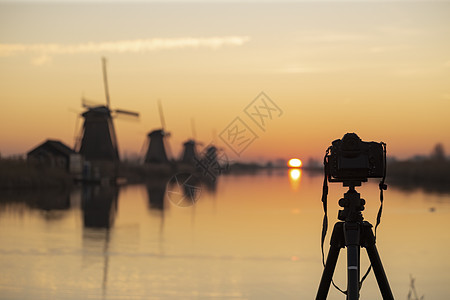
[353,233]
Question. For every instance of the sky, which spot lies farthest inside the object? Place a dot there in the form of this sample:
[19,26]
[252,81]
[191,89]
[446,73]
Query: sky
[263,80]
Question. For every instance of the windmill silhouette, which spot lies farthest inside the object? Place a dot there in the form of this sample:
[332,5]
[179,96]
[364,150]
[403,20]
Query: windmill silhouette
[99,142]
[156,146]
[211,163]
[189,154]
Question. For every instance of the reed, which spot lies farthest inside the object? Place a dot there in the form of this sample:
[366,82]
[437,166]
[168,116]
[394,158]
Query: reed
[19,174]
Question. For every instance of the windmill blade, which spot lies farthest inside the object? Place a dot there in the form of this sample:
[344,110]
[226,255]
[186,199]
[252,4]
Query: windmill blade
[127,112]
[105,81]
[167,145]
[161,115]
[125,115]
[144,149]
[166,136]
[77,134]
[163,126]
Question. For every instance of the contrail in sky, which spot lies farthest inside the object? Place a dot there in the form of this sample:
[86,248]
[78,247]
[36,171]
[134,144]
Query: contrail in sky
[124,46]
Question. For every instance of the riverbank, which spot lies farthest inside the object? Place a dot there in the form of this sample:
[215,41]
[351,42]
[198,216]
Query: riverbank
[429,174]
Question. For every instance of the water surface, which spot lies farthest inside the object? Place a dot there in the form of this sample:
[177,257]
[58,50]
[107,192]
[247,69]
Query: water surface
[247,237]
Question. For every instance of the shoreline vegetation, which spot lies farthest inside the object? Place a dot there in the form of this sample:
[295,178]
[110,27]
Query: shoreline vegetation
[17,173]
[429,173]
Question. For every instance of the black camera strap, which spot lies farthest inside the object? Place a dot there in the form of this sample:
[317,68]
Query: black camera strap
[325,215]
[382,186]
[325,202]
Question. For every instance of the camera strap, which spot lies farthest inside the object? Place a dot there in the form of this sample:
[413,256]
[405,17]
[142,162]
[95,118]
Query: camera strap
[382,186]
[325,215]
[324,202]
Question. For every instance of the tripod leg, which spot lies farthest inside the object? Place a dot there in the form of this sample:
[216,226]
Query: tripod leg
[377,266]
[337,242]
[352,239]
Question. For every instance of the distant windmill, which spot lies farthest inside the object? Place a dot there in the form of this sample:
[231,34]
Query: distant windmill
[212,161]
[189,154]
[156,150]
[99,141]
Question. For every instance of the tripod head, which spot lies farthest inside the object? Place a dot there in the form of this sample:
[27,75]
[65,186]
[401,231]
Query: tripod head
[353,205]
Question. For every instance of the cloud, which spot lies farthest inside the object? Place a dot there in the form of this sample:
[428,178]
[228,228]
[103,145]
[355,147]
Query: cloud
[44,51]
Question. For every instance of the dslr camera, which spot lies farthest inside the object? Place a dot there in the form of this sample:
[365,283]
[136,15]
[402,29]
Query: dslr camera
[352,160]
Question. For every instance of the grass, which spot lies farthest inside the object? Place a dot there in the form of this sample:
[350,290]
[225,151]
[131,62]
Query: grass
[412,294]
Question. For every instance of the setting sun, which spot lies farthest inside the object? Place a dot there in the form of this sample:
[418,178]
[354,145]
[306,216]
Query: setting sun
[294,163]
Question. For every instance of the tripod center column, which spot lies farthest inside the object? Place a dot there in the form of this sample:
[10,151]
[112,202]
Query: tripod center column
[352,242]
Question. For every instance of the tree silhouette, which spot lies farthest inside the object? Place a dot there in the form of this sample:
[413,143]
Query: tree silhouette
[438,153]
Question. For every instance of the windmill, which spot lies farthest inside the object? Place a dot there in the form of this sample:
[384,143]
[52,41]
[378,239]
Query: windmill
[189,154]
[156,148]
[212,162]
[99,141]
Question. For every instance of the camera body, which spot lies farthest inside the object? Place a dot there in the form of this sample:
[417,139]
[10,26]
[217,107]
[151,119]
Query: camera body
[351,159]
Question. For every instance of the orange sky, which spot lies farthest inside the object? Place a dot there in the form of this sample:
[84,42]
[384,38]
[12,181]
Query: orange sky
[379,69]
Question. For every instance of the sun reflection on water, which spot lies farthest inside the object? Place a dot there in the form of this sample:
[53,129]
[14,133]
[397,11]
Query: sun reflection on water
[295,176]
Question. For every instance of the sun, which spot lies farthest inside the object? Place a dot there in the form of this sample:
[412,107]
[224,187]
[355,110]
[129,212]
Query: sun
[294,163]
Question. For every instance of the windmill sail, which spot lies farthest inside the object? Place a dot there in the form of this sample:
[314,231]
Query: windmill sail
[105,81]
[126,112]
